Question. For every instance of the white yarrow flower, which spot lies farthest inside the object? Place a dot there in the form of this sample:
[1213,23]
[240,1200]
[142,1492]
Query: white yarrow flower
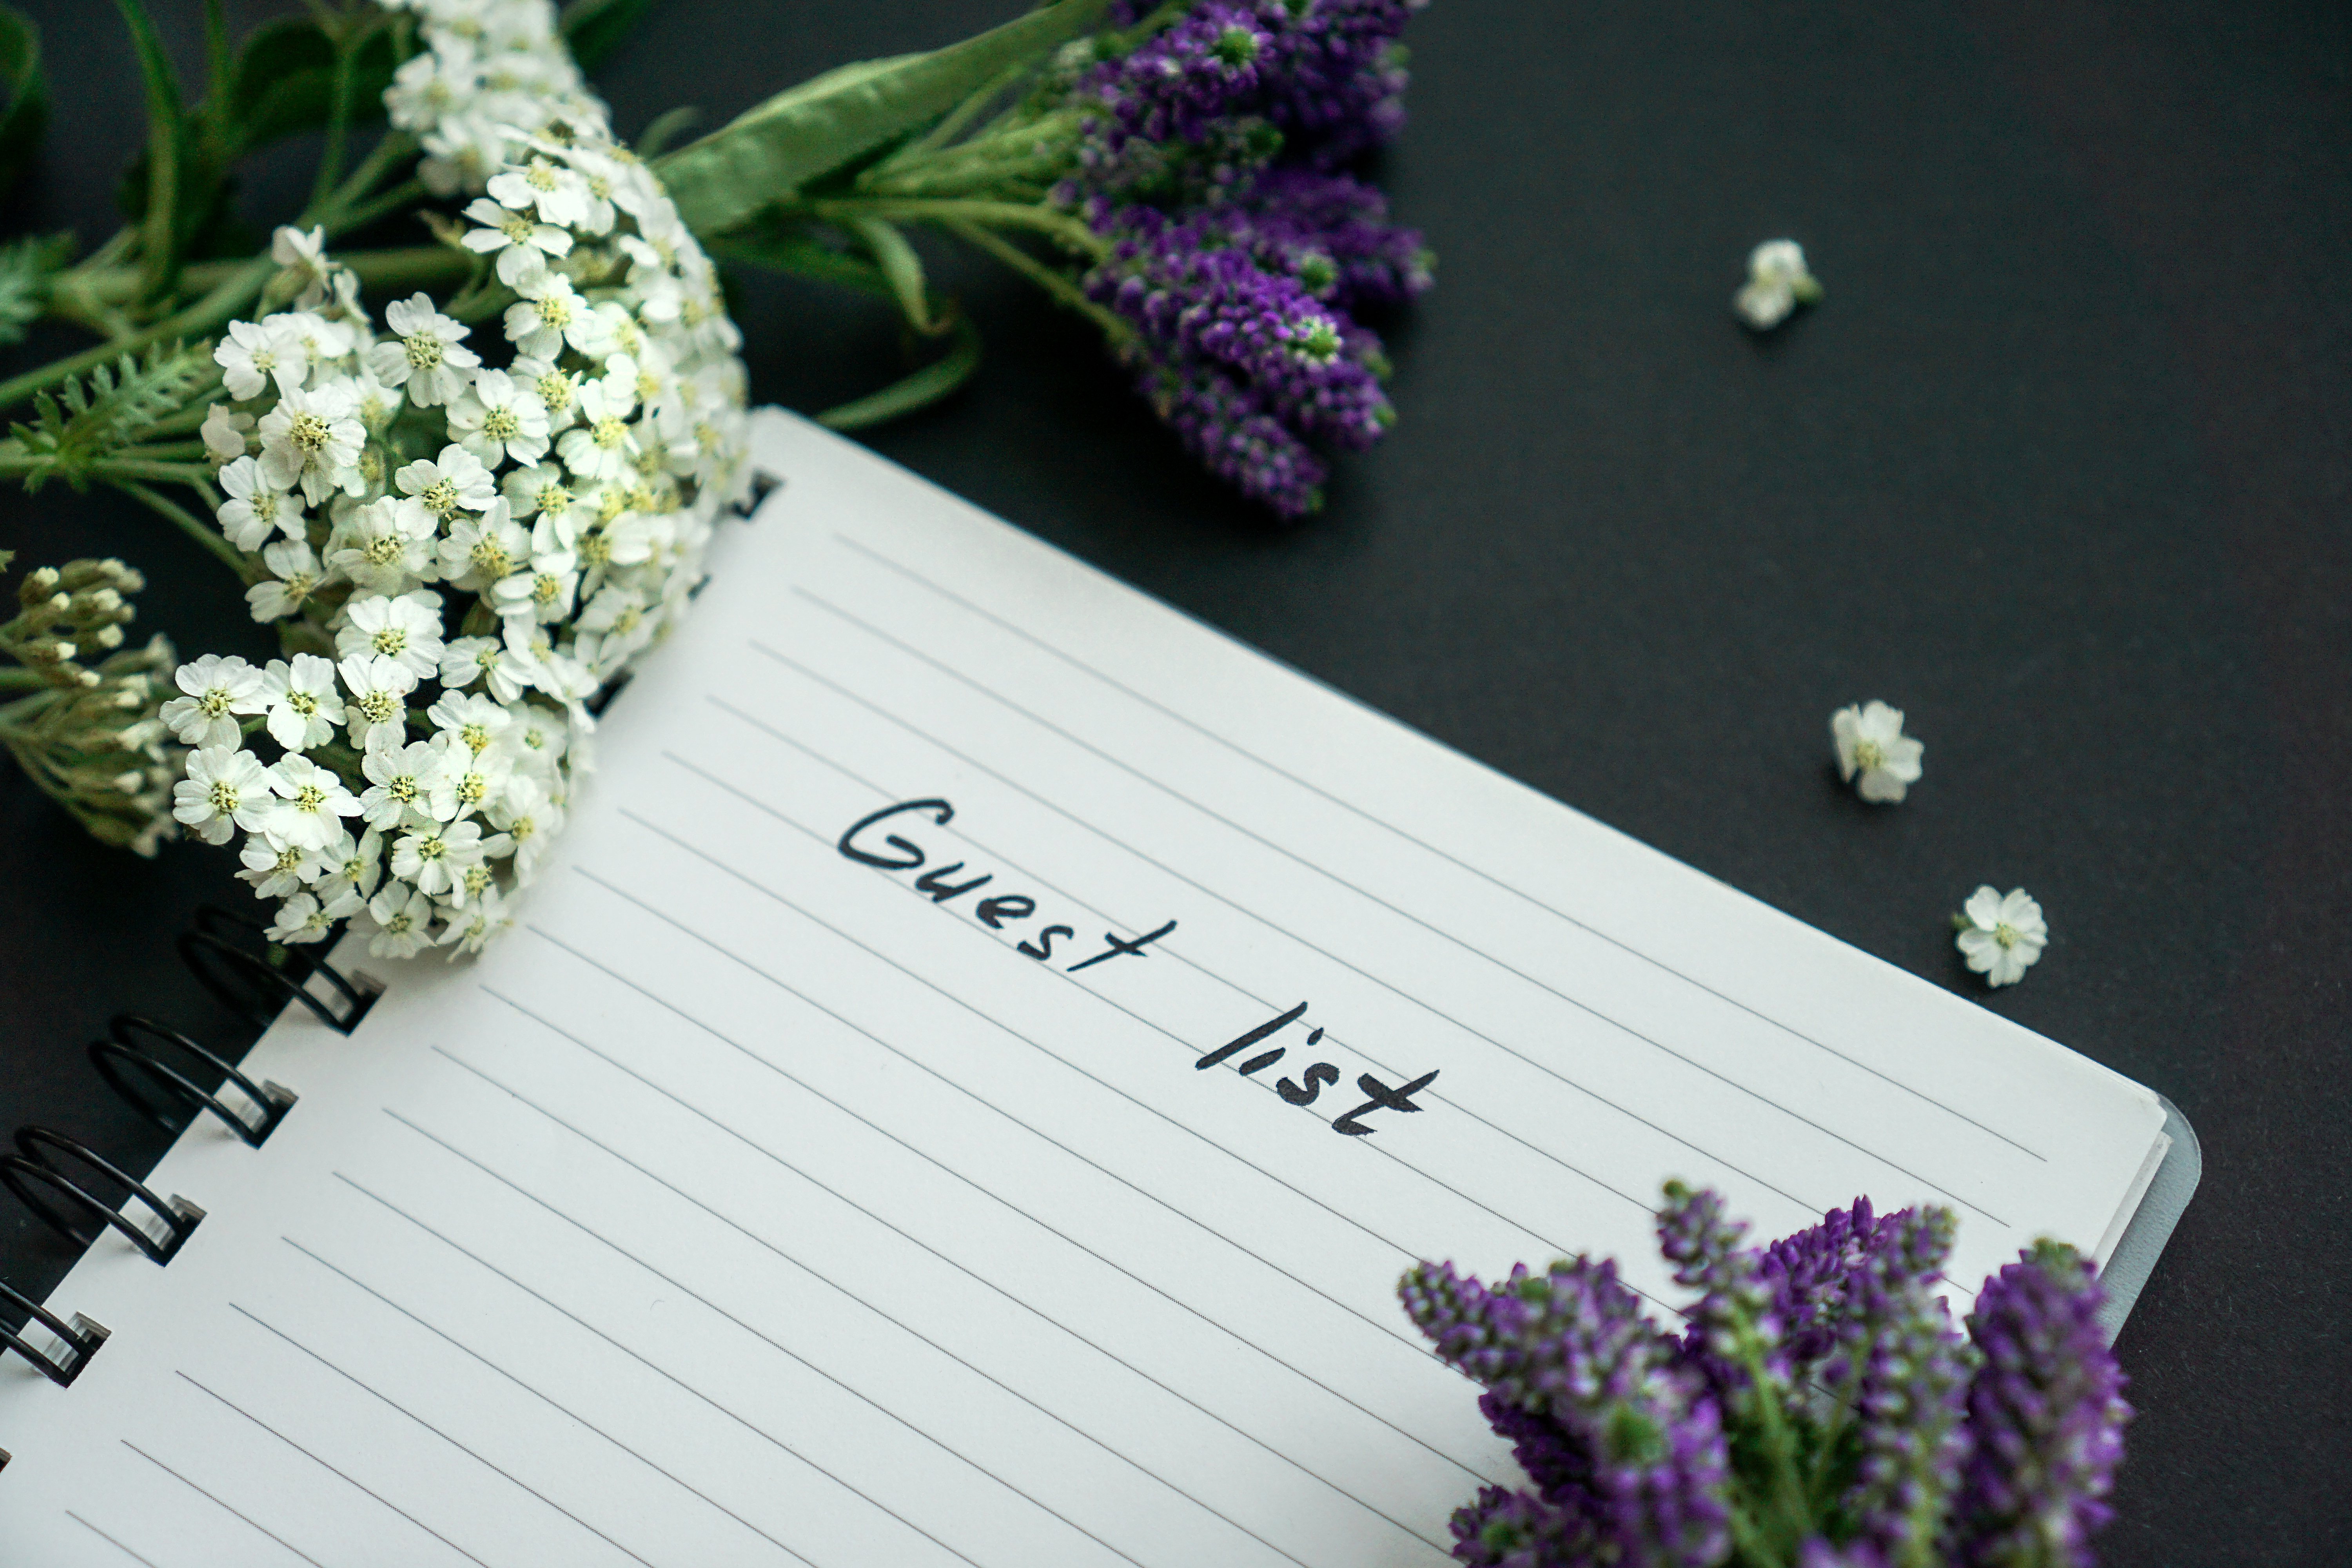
[256,353]
[500,419]
[334,494]
[256,509]
[224,788]
[401,778]
[1778,282]
[429,361]
[376,693]
[312,803]
[304,705]
[558,195]
[403,921]
[1874,753]
[305,255]
[522,244]
[385,546]
[296,575]
[219,691]
[2001,935]
[300,918]
[406,629]
[551,316]
[312,440]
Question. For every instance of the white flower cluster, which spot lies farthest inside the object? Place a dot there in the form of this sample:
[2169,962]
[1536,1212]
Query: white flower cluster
[469,551]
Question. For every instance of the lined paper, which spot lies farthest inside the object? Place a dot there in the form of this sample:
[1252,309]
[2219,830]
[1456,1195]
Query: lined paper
[756,1203]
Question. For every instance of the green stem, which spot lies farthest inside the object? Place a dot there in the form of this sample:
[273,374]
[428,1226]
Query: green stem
[350,220]
[20,680]
[339,123]
[1070,230]
[162,473]
[1063,290]
[1780,1444]
[164,451]
[382,159]
[193,527]
[391,268]
[225,300]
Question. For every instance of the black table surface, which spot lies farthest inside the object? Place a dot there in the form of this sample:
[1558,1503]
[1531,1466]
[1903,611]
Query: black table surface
[2061,468]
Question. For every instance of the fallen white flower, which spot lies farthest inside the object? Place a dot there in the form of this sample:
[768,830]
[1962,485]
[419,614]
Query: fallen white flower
[1778,282]
[2001,935]
[1871,743]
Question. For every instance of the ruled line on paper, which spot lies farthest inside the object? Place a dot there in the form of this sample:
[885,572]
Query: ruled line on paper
[231,1508]
[1025,1305]
[1338,881]
[772,1343]
[1237,749]
[1168,946]
[927,1158]
[365,1387]
[751,1427]
[108,1540]
[1385,1329]
[1809,1210]
[1379,1327]
[330,1469]
[803,1269]
[550,1400]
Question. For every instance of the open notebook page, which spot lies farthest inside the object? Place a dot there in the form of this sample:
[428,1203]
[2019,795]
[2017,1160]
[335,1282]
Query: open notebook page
[758,1202]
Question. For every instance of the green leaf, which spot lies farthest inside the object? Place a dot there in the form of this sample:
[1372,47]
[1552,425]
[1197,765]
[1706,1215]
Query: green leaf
[594,28]
[769,152]
[28,94]
[918,390]
[899,265]
[26,269]
[88,419]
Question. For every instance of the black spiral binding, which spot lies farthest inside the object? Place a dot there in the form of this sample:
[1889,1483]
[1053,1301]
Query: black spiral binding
[162,1073]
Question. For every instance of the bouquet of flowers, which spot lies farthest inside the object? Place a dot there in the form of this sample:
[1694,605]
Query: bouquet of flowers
[468,481]
[1819,1411]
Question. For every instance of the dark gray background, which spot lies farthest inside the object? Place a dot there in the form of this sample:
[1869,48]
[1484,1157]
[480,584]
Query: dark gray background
[2060,468]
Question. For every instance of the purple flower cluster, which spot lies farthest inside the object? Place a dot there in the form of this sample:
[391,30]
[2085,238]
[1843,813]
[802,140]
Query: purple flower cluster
[1239,252]
[1819,1410]
[1194,104]
[2045,1415]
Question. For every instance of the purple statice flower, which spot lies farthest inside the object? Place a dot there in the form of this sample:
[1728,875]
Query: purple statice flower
[1237,254]
[1876,1437]
[1337,86]
[1903,1368]
[1227,429]
[1326,77]
[1623,1437]
[1194,296]
[1235,347]
[1502,1529]
[1810,1273]
[1733,1319]
[1332,232]
[2046,1415]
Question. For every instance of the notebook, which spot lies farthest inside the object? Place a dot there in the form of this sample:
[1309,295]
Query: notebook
[962,1092]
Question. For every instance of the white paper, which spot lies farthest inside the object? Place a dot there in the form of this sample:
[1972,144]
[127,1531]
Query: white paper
[749,1204]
